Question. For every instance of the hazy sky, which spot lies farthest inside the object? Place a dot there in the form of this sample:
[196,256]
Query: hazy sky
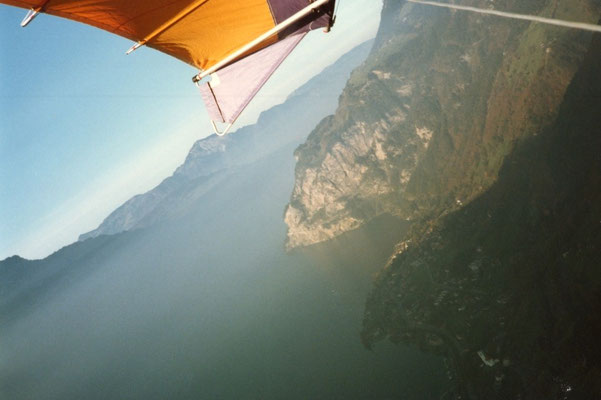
[83,127]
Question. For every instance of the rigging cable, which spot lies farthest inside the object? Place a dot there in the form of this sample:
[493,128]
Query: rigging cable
[504,14]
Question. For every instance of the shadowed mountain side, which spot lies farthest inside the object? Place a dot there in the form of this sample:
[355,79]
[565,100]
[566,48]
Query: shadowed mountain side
[509,287]
[210,306]
[284,124]
[425,124]
[24,284]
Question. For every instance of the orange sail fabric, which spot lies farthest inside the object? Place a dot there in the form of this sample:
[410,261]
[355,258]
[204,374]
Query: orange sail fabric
[198,32]
[231,37]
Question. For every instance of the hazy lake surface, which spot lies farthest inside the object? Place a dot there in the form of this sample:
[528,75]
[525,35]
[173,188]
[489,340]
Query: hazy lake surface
[210,306]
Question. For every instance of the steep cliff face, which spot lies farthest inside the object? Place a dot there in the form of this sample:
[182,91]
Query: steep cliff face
[508,288]
[210,159]
[425,124]
[485,133]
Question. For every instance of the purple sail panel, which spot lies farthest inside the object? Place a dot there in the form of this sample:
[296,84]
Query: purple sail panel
[208,96]
[233,87]
[283,9]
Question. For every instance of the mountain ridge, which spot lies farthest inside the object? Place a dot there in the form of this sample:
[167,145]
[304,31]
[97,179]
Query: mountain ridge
[425,124]
[483,133]
[507,287]
[211,157]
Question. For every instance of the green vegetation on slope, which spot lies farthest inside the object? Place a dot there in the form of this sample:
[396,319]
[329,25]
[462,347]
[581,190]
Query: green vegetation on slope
[515,274]
[485,133]
[426,123]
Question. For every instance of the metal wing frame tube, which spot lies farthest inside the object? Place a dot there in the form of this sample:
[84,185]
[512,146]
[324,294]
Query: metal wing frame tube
[250,45]
[168,24]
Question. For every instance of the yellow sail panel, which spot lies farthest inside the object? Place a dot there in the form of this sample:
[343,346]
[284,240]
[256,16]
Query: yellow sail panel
[132,19]
[215,30]
[198,32]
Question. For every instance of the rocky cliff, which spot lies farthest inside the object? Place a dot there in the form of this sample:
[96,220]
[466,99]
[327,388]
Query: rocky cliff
[508,288]
[485,134]
[425,124]
[210,159]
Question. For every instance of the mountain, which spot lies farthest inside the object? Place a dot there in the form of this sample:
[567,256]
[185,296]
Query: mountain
[484,134]
[461,169]
[205,303]
[425,124]
[210,159]
[508,288]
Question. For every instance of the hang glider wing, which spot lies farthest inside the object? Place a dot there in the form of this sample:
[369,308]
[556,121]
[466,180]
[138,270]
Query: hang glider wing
[211,35]
[229,90]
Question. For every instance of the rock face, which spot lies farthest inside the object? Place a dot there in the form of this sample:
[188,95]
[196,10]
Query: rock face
[425,124]
[485,133]
[508,287]
[211,158]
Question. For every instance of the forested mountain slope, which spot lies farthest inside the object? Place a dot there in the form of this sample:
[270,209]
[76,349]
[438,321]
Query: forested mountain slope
[485,133]
[426,123]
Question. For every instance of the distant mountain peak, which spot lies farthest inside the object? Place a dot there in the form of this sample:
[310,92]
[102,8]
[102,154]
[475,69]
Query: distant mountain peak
[210,159]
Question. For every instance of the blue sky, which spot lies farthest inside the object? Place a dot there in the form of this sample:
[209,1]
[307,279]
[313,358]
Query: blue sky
[83,127]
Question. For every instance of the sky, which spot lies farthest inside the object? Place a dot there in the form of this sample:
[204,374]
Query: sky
[83,127]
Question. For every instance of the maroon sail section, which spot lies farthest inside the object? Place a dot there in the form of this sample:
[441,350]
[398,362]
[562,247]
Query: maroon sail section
[230,89]
[240,43]
[284,9]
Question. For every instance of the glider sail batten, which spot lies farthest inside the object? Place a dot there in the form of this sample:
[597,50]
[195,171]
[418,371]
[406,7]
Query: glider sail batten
[233,87]
[204,31]
[198,32]
[245,41]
